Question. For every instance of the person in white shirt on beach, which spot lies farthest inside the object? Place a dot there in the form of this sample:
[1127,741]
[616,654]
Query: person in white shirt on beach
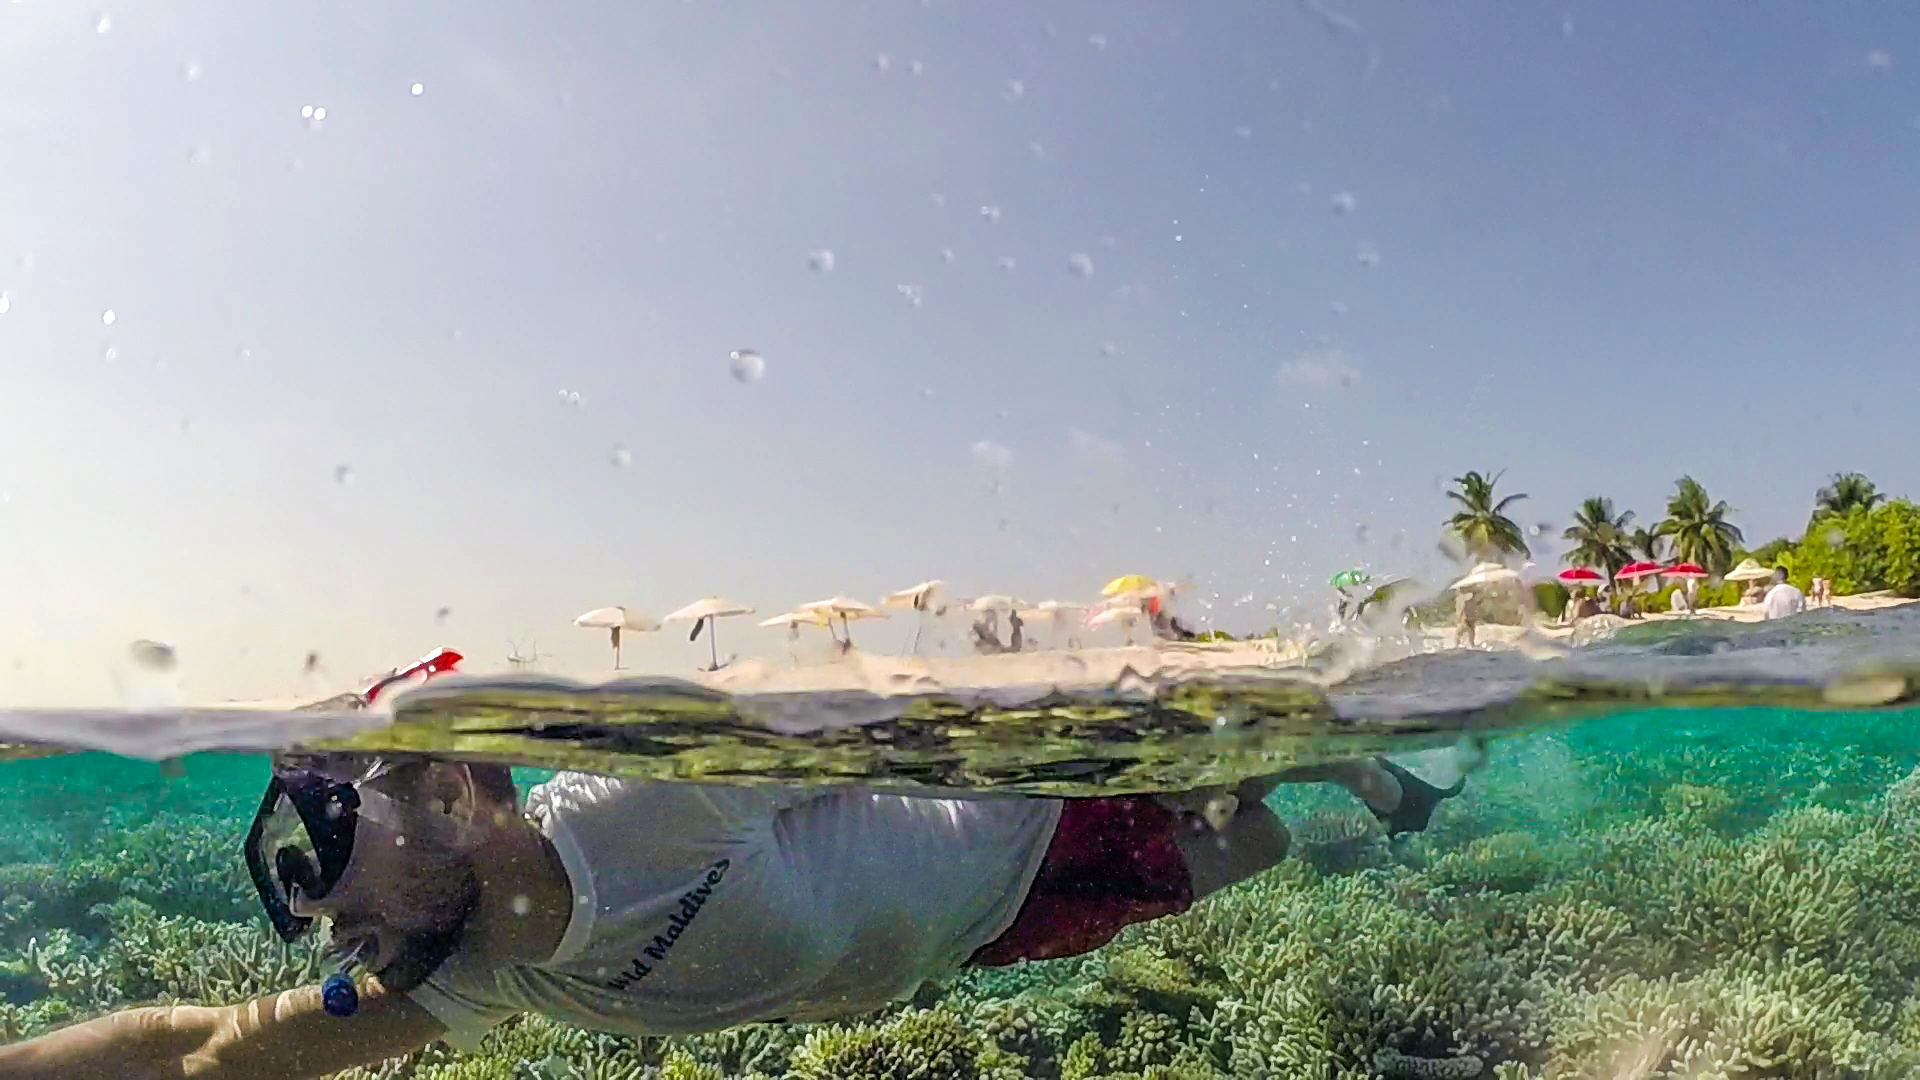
[1783,598]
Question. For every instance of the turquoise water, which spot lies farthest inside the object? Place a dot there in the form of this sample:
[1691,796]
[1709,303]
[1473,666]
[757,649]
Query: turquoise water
[1654,893]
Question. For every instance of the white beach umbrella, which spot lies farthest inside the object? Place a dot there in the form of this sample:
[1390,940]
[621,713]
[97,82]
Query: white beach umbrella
[1487,573]
[1749,570]
[920,599]
[614,620]
[1052,614]
[702,614]
[846,609]
[994,602]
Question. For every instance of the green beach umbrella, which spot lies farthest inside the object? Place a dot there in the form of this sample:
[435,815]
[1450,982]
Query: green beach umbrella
[1350,577]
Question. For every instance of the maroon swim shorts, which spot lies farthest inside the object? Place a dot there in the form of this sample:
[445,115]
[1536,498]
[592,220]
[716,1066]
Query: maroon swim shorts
[1112,862]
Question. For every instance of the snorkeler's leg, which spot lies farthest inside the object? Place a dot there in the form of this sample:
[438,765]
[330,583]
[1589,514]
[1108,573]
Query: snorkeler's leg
[1402,801]
[1228,836]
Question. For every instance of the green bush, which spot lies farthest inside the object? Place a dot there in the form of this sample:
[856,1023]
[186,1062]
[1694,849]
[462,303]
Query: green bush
[1862,550]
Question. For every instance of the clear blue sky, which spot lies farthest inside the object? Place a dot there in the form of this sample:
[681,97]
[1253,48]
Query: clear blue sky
[1339,251]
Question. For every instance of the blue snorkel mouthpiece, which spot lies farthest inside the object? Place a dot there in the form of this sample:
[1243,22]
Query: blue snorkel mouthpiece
[338,996]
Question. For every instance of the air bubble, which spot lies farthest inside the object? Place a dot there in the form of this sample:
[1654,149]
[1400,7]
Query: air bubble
[621,457]
[747,366]
[1080,264]
[821,259]
[521,904]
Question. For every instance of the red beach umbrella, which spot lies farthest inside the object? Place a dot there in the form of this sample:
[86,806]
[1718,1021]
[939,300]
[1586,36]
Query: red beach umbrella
[1686,570]
[1581,575]
[1636,571]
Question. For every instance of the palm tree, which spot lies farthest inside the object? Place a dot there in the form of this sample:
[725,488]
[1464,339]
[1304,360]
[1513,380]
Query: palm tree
[1647,544]
[1699,528]
[1482,524]
[1844,493]
[1599,536]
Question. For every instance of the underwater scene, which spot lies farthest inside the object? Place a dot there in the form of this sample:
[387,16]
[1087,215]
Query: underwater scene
[1684,887]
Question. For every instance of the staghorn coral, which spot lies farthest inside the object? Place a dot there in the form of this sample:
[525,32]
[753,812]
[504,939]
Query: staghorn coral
[1393,1065]
[916,1044]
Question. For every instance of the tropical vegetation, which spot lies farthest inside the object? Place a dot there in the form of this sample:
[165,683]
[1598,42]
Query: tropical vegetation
[1698,527]
[1481,523]
[1845,493]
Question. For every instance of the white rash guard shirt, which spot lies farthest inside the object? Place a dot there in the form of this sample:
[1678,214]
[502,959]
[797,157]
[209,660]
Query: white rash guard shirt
[699,907]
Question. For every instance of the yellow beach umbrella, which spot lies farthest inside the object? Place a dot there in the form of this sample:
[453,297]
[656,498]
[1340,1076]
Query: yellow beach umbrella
[1130,583]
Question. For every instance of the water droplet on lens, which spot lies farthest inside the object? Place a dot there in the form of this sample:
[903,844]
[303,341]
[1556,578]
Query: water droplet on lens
[1015,90]
[821,259]
[105,24]
[1368,258]
[946,255]
[201,155]
[153,655]
[991,454]
[192,71]
[1344,203]
[916,67]
[1880,60]
[1566,25]
[1080,265]
[1098,41]
[6,303]
[991,213]
[1109,349]
[1005,262]
[1243,131]
[621,456]
[442,613]
[747,366]
[883,63]
[521,905]
[306,112]
[111,353]
[914,294]
[343,474]
[417,89]
[107,317]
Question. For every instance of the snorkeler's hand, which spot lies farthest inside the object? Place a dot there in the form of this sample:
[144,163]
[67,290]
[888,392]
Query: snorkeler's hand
[283,1037]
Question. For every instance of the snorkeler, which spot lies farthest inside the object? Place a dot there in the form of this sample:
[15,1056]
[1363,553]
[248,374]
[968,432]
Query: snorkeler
[650,908]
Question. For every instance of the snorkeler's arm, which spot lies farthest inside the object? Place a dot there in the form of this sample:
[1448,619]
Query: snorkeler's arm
[283,1037]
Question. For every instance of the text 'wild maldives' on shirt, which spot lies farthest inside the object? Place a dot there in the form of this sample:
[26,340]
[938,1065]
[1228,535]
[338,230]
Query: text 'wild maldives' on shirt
[662,943]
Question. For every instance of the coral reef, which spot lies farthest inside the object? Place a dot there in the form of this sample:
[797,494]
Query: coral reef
[1739,903]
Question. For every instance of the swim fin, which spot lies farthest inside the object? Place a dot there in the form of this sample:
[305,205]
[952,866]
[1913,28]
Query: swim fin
[1417,800]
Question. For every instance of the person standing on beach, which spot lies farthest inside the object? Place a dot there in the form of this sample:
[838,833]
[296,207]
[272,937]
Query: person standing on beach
[1784,598]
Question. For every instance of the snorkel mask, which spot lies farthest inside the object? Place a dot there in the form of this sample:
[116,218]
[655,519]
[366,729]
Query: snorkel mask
[300,846]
